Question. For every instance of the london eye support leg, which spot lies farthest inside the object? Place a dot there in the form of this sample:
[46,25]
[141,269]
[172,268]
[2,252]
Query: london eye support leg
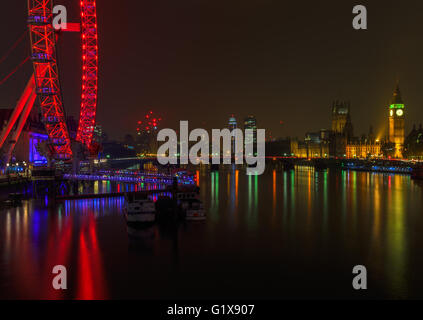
[22,121]
[30,87]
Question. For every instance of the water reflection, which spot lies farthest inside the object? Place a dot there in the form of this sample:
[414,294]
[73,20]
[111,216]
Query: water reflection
[296,221]
[364,212]
[90,268]
[274,193]
[43,238]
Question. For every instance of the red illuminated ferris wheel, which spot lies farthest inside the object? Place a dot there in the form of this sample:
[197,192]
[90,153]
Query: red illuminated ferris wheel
[43,44]
[45,84]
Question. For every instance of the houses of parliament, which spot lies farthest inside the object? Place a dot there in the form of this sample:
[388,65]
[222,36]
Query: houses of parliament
[340,141]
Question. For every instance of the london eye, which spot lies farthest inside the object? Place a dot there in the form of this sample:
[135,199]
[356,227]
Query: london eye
[44,84]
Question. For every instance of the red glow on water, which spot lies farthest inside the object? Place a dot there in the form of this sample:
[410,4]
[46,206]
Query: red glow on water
[58,252]
[85,282]
[91,282]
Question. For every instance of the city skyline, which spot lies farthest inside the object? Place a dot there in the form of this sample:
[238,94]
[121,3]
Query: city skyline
[381,133]
[261,63]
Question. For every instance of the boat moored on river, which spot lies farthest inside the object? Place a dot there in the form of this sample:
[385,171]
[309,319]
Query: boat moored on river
[139,209]
[190,206]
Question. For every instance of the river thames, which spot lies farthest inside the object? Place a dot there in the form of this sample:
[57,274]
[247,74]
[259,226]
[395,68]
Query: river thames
[282,235]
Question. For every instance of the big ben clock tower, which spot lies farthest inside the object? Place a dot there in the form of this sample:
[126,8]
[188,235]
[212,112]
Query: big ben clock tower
[397,123]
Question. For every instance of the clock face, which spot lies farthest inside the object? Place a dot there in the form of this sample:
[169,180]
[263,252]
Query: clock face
[400,113]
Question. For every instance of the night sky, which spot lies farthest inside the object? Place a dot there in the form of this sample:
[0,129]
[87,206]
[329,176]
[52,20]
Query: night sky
[201,60]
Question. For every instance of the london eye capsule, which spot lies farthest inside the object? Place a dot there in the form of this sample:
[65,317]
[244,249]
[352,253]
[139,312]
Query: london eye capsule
[46,91]
[62,157]
[41,57]
[58,142]
[53,120]
[38,20]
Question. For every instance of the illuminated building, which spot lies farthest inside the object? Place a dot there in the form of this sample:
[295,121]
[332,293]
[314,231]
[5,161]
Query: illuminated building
[250,123]
[232,126]
[98,134]
[315,145]
[35,157]
[327,143]
[364,150]
[365,147]
[341,119]
[342,128]
[232,123]
[28,147]
[396,115]
[338,142]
